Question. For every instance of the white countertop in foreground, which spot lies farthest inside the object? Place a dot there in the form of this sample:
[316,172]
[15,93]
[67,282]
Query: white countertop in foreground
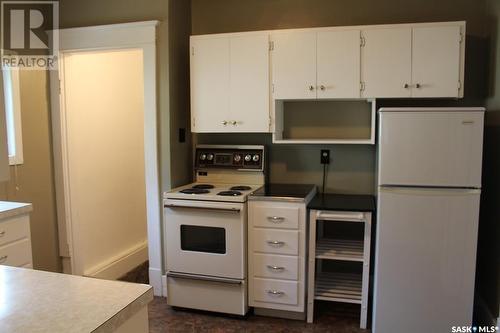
[37,301]
[10,208]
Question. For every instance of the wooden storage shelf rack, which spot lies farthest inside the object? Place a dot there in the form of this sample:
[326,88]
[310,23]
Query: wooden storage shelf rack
[339,286]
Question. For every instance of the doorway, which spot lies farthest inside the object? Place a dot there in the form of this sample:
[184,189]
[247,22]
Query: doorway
[105,151]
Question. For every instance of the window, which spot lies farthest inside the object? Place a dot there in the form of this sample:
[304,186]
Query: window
[13,115]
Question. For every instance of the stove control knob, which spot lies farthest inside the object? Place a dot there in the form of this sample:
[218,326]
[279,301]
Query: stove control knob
[248,158]
[256,158]
[237,158]
[203,157]
[210,157]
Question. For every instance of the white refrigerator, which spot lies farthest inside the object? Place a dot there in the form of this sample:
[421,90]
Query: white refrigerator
[429,176]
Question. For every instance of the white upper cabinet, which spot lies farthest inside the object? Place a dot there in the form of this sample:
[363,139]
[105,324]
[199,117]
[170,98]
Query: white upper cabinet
[386,62]
[294,65]
[209,84]
[230,83]
[425,60]
[249,83]
[338,64]
[436,61]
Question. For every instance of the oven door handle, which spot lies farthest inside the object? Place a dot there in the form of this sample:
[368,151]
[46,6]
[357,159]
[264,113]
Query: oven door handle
[237,210]
[203,278]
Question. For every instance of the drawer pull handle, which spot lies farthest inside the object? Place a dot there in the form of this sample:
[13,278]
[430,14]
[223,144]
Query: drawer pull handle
[276,219]
[276,268]
[2,233]
[275,292]
[275,243]
[3,259]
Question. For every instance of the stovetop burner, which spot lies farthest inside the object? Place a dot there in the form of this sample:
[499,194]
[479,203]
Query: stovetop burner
[240,188]
[229,193]
[195,191]
[203,186]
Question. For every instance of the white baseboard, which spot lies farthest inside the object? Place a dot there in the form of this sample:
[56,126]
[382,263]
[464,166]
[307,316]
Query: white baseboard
[120,264]
[155,280]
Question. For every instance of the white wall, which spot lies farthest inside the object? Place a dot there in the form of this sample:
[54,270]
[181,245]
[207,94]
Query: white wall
[105,144]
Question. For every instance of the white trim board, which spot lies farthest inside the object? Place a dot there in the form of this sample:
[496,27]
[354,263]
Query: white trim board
[140,35]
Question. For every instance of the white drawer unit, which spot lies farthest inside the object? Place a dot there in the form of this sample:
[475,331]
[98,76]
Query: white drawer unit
[277,252]
[15,237]
[282,217]
[276,266]
[276,241]
[275,291]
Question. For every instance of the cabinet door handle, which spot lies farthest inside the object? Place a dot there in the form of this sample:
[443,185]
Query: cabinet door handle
[224,122]
[311,88]
[275,292]
[276,268]
[322,87]
[3,259]
[275,243]
[276,219]
[2,233]
[234,123]
[418,85]
[406,86]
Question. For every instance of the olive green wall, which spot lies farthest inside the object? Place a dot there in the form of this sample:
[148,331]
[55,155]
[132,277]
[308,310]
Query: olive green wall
[34,178]
[488,259]
[353,167]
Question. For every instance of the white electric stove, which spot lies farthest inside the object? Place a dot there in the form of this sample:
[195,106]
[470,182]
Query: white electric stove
[206,229]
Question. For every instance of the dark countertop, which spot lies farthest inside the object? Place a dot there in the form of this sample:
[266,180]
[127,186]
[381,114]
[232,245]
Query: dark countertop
[288,192]
[343,202]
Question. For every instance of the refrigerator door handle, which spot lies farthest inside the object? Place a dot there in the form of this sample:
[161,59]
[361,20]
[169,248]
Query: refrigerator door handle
[430,190]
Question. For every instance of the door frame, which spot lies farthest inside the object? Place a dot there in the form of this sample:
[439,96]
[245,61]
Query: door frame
[136,35]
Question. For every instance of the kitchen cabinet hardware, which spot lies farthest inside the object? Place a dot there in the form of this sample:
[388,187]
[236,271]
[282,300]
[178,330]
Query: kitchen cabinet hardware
[3,259]
[224,122]
[322,87]
[234,123]
[418,86]
[276,268]
[406,86]
[311,88]
[2,233]
[276,219]
[275,292]
[275,243]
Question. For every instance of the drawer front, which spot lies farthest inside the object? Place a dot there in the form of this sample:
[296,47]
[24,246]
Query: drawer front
[276,241]
[274,291]
[16,254]
[13,229]
[275,267]
[276,217]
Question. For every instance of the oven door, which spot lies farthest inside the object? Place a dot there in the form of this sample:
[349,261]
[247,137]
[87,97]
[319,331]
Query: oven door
[206,237]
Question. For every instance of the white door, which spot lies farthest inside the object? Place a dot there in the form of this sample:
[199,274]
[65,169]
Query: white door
[386,62]
[249,83]
[104,144]
[436,61]
[431,148]
[294,65]
[338,67]
[209,84]
[425,259]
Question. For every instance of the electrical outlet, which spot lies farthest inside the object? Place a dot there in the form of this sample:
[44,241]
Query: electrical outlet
[325,156]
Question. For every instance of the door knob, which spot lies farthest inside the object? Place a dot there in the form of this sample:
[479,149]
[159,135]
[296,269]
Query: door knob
[406,86]
[418,85]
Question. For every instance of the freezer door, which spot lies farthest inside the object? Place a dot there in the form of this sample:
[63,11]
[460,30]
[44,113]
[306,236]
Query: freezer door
[425,259]
[431,148]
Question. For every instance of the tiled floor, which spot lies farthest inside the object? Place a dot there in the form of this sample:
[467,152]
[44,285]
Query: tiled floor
[329,318]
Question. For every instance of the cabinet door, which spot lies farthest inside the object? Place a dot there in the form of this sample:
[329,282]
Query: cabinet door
[294,65]
[386,62]
[249,83]
[209,84]
[436,61]
[338,67]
